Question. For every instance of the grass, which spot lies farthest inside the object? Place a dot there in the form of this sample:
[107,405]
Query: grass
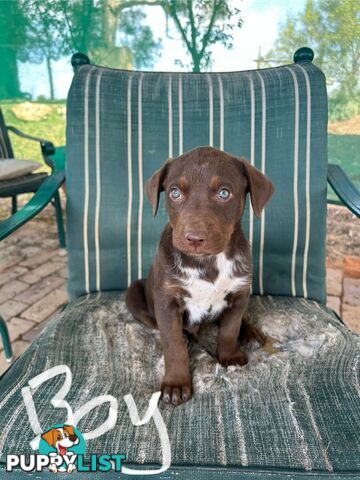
[51,127]
[344,150]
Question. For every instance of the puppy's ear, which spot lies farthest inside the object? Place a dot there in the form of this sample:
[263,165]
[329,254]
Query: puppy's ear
[50,437]
[259,186]
[154,186]
[69,429]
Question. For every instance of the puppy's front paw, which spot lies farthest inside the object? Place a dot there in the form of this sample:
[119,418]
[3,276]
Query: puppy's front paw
[237,358]
[177,393]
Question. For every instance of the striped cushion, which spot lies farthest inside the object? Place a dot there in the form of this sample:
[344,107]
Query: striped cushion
[124,125]
[297,409]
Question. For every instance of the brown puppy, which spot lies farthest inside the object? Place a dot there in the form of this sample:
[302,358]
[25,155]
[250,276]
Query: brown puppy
[202,269]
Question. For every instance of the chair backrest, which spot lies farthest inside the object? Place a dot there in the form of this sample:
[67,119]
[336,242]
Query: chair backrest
[6,150]
[123,125]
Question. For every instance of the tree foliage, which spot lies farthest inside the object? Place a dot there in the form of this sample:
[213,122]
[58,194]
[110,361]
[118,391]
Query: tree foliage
[112,32]
[63,27]
[201,24]
[37,31]
[12,39]
[332,29]
[138,38]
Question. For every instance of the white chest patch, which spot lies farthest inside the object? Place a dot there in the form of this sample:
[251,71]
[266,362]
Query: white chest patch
[208,298]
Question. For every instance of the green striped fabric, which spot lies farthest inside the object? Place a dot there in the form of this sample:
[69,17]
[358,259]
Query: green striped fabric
[294,410]
[123,125]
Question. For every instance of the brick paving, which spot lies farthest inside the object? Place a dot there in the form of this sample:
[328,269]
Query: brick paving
[343,289]
[33,272]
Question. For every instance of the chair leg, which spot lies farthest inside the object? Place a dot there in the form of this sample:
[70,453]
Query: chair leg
[6,340]
[13,204]
[59,220]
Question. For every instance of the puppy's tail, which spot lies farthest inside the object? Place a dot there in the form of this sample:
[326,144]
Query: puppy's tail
[136,302]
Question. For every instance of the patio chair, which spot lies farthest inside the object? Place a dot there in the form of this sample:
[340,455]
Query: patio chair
[292,412]
[47,192]
[28,182]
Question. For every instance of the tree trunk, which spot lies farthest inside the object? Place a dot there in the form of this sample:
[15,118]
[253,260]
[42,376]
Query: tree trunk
[9,83]
[110,21]
[196,60]
[11,33]
[50,75]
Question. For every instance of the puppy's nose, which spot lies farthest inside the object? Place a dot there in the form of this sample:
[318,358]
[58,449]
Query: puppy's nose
[195,239]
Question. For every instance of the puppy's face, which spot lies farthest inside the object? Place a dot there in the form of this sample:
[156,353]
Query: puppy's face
[61,438]
[205,197]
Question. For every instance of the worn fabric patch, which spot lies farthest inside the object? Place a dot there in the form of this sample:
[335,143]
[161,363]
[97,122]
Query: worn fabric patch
[295,405]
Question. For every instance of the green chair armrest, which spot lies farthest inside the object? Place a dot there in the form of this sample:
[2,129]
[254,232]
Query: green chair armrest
[47,147]
[344,188]
[58,158]
[42,141]
[37,203]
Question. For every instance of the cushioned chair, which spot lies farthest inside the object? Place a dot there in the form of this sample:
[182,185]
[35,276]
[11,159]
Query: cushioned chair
[294,410]
[28,182]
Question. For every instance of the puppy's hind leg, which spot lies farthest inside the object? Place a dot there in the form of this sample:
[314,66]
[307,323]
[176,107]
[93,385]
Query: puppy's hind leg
[249,332]
[136,302]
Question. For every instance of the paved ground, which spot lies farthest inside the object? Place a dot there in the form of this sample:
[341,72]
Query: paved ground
[343,265]
[343,289]
[33,279]
[33,275]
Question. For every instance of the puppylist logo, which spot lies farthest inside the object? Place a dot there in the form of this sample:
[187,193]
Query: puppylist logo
[62,449]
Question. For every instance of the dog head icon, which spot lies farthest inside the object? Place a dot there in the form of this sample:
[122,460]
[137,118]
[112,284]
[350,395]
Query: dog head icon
[61,438]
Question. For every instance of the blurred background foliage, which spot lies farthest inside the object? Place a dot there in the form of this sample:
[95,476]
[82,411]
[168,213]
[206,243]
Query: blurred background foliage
[111,32]
[332,29]
[116,33]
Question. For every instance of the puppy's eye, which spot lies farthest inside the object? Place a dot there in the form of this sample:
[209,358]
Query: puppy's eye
[175,193]
[224,193]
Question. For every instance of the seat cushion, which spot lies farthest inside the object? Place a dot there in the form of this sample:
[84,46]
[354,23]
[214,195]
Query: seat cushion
[295,406]
[122,126]
[14,168]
